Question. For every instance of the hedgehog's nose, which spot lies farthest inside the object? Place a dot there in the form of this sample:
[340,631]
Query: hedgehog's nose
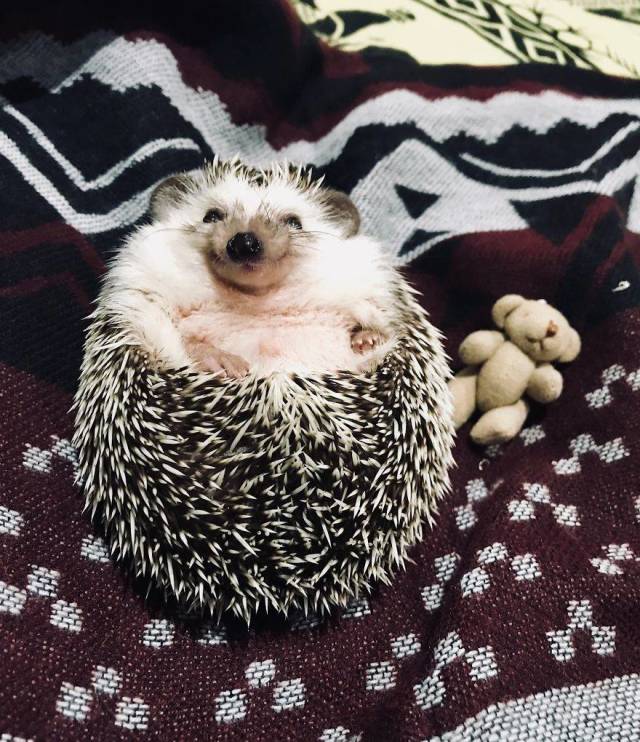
[244,246]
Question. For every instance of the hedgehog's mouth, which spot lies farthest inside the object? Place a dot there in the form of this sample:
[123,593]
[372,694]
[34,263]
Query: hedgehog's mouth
[259,264]
[252,265]
[256,276]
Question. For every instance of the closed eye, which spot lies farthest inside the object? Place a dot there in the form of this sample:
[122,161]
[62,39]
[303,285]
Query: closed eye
[213,215]
[293,221]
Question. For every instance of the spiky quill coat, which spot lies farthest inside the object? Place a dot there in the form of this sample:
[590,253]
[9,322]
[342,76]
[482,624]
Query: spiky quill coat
[283,492]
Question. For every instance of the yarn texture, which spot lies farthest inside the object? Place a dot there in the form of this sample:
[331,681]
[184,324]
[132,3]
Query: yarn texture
[516,615]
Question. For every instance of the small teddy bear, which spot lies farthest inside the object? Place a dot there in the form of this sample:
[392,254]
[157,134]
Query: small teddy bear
[502,366]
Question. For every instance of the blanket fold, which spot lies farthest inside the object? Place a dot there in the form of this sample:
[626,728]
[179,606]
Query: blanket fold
[518,617]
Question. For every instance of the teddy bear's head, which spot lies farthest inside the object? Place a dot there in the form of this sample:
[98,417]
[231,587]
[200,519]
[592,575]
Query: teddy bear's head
[536,328]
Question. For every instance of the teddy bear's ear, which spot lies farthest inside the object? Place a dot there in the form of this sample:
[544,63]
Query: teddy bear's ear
[505,306]
[570,353]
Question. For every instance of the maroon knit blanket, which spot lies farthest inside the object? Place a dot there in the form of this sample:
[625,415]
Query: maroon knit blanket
[518,618]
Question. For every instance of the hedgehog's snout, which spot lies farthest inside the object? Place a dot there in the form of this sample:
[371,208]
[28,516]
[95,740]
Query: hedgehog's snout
[243,247]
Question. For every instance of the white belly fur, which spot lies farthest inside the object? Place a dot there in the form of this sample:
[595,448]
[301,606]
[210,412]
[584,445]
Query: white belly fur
[303,343]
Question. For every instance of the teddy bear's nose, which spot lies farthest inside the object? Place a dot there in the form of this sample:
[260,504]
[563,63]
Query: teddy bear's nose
[552,329]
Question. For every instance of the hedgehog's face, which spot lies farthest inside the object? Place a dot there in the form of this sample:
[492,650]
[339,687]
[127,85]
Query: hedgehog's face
[253,226]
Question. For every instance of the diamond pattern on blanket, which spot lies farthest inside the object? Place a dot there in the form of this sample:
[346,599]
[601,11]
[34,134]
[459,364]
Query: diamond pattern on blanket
[524,567]
[36,459]
[532,434]
[338,734]
[603,395]
[43,581]
[474,582]
[40,460]
[466,516]
[481,662]
[357,609]
[77,702]
[305,623]
[381,676]
[607,452]
[231,705]
[106,680]
[159,632]
[580,614]
[132,713]
[405,646]
[260,673]
[95,549]
[74,701]
[209,634]
[516,608]
[537,495]
[66,616]
[289,694]
[616,557]
[12,599]
[11,521]
[444,568]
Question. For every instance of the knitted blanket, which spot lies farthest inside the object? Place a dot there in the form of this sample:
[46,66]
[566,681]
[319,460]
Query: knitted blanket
[518,617]
[591,34]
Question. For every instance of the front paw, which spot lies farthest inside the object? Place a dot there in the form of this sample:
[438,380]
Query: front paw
[210,359]
[364,341]
[224,364]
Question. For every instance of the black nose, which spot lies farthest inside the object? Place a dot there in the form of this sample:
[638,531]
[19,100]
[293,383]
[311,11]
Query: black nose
[244,246]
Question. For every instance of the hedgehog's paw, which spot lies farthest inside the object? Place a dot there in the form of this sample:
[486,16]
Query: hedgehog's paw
[364,341]
[223,364]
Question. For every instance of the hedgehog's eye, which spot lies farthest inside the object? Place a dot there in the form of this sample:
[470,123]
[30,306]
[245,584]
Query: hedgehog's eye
[293,222]
[213,215]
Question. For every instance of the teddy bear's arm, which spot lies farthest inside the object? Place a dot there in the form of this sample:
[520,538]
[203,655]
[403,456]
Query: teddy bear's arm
[545,384]
[480,346]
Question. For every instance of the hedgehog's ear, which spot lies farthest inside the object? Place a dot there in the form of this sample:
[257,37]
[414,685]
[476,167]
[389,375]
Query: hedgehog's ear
[169,194]
[342,211]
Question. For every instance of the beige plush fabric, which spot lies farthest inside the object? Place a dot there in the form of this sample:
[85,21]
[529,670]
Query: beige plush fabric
[504,366]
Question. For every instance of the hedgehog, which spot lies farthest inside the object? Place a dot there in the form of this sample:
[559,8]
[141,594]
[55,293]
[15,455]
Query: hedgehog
[262,418]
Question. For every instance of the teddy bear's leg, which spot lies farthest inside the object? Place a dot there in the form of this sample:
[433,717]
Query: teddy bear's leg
[500,424]
[463,393]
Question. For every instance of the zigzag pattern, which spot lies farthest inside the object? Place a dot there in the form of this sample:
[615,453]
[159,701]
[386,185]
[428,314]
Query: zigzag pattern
[125,66]
[607,452]
[484,181]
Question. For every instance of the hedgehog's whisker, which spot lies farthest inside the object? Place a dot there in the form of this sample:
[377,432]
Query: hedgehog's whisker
[187,230]
[314,232]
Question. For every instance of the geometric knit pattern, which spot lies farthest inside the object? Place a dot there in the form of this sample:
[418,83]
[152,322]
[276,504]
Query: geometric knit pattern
[489,32]
[516,617]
